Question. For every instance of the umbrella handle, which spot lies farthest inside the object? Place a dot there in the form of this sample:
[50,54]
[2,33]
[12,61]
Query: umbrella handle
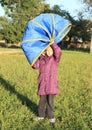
[51,41]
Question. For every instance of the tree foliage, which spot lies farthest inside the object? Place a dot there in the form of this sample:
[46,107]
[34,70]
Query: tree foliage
[18,12]
[80,26]
[87,6]
[87,2]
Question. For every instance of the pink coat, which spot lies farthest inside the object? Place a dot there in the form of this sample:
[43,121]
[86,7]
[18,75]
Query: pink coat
[47,80]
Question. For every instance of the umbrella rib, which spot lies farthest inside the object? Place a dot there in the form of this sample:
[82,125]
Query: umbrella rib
[68,26]
[53,21]
[39,25]
[35,39]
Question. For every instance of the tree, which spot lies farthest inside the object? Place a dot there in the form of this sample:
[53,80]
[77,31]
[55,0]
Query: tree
[89,5]
[4,28]
[89,2]
[18,13]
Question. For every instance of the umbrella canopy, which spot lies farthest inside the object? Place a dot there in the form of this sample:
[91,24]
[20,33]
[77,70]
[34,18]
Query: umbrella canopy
[41,32]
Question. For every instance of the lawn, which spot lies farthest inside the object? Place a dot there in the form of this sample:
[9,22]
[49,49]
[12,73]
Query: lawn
[19,100]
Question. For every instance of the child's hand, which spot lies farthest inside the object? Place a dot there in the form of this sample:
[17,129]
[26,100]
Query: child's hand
[49,51]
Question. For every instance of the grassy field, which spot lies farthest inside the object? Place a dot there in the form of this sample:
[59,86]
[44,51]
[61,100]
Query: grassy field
[18,98]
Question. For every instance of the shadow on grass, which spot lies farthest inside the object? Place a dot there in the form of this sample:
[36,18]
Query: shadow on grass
[24,99]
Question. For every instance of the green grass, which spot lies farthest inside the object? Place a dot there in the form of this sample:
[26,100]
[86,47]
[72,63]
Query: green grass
[18,98]
[9,49]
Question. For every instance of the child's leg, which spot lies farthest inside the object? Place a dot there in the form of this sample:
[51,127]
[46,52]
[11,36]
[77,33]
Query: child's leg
[41,106]
[50,106]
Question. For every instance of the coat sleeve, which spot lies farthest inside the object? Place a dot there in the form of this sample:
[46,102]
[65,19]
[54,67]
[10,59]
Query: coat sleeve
[36,65]
[57,51]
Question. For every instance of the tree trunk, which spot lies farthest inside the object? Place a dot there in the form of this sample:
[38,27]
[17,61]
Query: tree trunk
[91,44]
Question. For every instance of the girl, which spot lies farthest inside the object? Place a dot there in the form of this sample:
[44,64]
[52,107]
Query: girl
[47,81]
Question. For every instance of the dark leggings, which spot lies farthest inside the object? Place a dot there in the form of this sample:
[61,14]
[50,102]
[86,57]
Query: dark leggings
[46,106]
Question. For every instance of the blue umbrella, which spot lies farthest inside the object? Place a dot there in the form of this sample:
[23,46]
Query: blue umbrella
[41,32]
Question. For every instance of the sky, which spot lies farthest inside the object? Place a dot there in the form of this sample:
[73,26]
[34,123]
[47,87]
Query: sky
[1,11]
[73,6]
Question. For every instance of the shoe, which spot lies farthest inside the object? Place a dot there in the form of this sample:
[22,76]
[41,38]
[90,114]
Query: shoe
[52,120]
[38,118]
